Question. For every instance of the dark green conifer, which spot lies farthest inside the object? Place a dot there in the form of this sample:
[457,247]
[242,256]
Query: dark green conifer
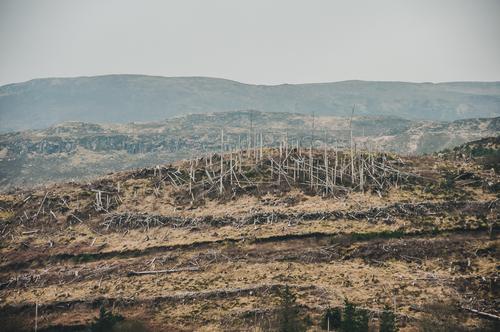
[388,320]
[289,320]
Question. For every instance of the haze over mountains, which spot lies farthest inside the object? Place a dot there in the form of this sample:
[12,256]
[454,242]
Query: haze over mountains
[41,103]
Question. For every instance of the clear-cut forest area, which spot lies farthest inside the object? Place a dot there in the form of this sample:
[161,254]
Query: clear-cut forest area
[240,238]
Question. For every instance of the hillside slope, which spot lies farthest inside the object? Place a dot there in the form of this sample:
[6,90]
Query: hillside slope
[208,244]
[125,98]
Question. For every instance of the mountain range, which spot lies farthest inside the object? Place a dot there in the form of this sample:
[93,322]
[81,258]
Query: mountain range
[41,103]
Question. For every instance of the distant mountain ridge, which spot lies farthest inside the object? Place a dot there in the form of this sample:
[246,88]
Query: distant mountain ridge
[41,103]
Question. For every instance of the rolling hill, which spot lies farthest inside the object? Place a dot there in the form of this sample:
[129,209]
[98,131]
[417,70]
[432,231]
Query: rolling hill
[211,243]
[41,103]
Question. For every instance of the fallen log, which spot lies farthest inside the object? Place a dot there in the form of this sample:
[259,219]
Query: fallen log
[194,268]
[482,314]
[30,232]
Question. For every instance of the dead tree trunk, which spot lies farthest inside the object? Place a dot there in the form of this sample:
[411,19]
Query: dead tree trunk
[221,161]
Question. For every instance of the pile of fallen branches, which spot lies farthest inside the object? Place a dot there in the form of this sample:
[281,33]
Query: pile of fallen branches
[144,220]
[36,209]
[327,172]
[403,210]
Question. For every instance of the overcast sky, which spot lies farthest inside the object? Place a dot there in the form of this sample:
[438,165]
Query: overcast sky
[254,41]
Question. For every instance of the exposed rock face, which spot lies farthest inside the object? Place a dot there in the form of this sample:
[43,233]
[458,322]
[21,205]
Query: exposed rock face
[79,150]
[97,143]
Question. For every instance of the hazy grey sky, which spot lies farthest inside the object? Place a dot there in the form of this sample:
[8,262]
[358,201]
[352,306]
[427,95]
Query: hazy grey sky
[254,41]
